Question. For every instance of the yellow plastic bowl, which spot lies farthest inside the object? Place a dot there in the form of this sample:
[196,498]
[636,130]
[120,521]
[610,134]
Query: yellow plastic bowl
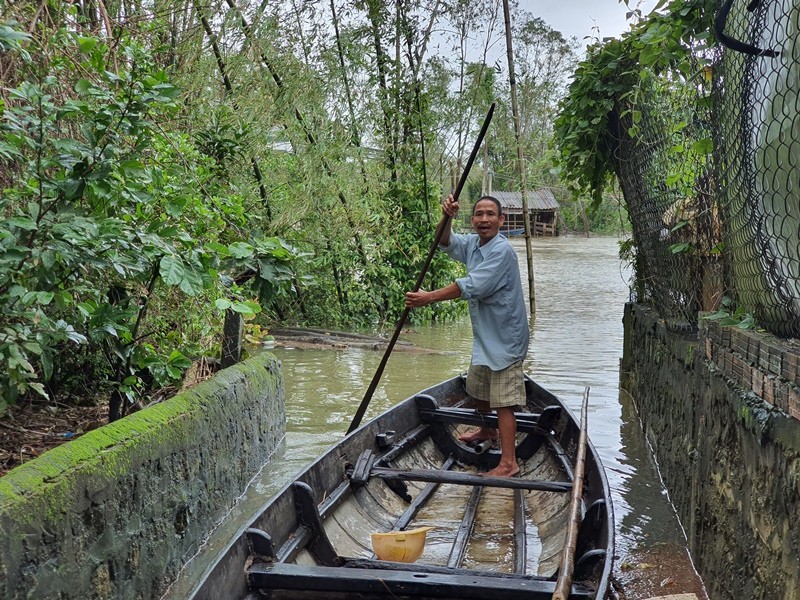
[400,546]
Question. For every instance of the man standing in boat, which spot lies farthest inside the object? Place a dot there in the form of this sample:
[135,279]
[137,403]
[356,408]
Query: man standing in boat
[493,290]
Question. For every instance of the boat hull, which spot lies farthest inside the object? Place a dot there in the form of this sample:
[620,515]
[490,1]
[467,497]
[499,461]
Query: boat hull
[491,538]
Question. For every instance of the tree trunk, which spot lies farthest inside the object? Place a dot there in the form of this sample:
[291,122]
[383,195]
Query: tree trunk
[232,332]
[356,137]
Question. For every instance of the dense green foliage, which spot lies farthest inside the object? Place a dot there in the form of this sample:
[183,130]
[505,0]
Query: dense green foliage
[164,165]
[111,225]
[607,83]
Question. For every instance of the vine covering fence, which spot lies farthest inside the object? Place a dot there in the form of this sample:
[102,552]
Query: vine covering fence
[708,165]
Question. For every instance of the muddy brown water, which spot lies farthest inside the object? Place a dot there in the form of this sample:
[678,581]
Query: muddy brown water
[576,341]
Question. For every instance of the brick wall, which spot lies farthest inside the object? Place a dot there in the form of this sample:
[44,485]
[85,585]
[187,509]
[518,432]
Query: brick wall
[768,366]
[720,411]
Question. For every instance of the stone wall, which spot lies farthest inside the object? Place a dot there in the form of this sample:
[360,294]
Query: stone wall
[116,512]
[720,410]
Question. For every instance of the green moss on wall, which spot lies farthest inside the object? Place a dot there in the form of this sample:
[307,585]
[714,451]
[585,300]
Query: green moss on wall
[106,451]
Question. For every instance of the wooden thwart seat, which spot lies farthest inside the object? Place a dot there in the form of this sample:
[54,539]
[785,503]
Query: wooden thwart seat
[527,422]
[403,580]
[459,478]
[365,468]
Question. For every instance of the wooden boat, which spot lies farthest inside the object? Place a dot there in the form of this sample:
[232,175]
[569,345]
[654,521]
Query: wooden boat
[513,232]
[493,537]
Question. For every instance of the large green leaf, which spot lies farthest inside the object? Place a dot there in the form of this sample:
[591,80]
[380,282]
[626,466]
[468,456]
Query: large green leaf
[240,250]
[172,270]
[192,282]
[22,222]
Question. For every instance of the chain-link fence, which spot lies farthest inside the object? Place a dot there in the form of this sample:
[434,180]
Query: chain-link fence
[710,174]
[666,177]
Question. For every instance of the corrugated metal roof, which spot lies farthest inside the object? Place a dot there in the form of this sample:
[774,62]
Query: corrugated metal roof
[541,199]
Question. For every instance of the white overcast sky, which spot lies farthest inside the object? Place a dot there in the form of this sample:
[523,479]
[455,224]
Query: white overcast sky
[579,17]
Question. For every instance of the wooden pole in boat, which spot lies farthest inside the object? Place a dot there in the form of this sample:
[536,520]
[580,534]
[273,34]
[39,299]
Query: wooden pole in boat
[439,232]
[566,571]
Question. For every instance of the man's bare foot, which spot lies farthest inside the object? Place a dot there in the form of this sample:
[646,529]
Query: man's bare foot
[503,470]
[478,435]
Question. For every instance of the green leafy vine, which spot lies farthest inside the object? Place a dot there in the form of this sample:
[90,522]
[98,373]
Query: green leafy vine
[612,76]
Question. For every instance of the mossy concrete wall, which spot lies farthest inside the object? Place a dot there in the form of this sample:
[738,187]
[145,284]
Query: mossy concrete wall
[116,512]
[729,458]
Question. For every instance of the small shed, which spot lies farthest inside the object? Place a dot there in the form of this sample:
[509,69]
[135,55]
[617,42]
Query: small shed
[542,210]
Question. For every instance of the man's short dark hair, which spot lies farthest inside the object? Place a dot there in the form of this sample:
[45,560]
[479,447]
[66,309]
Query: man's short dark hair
[493,199]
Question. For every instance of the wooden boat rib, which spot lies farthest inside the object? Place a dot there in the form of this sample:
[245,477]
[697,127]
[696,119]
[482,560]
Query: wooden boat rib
[493,537]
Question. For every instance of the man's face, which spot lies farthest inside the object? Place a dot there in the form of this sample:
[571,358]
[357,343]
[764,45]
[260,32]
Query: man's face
[486,220]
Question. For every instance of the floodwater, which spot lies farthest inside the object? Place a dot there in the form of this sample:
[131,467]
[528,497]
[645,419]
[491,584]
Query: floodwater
[576,341]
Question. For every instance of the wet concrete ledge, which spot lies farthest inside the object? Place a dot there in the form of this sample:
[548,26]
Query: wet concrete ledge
[730,457]
[116,512]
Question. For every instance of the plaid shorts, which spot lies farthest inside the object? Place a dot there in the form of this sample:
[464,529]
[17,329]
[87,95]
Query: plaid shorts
[499,388]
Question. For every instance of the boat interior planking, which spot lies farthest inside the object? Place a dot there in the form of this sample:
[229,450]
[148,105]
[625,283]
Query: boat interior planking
[492,537]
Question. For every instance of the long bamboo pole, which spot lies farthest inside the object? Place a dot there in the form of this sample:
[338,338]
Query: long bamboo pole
[567,569]
[362,408]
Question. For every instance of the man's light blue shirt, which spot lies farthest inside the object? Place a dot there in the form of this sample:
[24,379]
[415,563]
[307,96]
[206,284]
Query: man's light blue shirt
[493,291]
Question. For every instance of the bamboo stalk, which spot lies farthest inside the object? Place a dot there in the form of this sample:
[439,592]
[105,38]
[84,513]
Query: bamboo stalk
[213,40]
[520,160]
[304,125]
[567,569]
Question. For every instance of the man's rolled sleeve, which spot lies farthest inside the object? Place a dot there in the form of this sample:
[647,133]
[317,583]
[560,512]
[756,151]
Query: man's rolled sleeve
[484,280]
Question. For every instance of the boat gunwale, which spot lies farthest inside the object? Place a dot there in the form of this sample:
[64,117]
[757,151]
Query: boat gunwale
[364,436]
